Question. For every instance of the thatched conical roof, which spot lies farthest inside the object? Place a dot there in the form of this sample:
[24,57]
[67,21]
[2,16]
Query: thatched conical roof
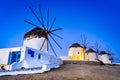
[37,31]
[103,53]
[90,50]
[75,45]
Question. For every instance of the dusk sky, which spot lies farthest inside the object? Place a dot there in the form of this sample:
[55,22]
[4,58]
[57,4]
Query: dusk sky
[99,20]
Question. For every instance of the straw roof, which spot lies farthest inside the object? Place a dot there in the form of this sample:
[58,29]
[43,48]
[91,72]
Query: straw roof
[103,53]
[37,31]
[90,50]
[75,45]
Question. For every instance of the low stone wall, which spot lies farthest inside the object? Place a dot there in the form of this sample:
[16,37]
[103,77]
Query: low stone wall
[81,62]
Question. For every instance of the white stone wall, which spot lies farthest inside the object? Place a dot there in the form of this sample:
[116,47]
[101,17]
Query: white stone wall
[104,58]
[92,56]
[36,43]
[32,62]
[65,58]
[4,54]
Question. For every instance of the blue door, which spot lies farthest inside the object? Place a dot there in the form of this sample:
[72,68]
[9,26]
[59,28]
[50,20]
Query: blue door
[14,57]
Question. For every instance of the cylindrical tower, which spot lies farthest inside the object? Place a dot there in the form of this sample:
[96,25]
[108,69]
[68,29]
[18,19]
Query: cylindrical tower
[36,39]
[76,52]
[91,55]
[104,57]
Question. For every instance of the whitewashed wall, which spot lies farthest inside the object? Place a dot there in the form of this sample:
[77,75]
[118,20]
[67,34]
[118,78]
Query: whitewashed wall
[104,58]
[92,56]
[32,62]
[36,43]
[4,54]
[65,58]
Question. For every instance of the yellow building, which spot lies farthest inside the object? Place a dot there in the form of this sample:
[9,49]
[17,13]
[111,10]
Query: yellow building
[76,52]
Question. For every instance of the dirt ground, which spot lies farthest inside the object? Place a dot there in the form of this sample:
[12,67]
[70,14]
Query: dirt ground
[73,72]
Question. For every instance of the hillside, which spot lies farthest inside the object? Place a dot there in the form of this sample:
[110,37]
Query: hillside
[73,72]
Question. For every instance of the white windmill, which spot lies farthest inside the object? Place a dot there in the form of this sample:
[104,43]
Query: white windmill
[104,57]
[34,51]
[38,38]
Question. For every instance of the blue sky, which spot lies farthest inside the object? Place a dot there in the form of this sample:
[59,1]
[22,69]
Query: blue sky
[99,20]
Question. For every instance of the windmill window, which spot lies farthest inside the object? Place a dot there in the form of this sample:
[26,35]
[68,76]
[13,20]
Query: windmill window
[31,52]
[39,56]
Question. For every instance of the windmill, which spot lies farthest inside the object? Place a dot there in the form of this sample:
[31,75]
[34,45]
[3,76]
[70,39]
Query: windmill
[39,37]
[84,42]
